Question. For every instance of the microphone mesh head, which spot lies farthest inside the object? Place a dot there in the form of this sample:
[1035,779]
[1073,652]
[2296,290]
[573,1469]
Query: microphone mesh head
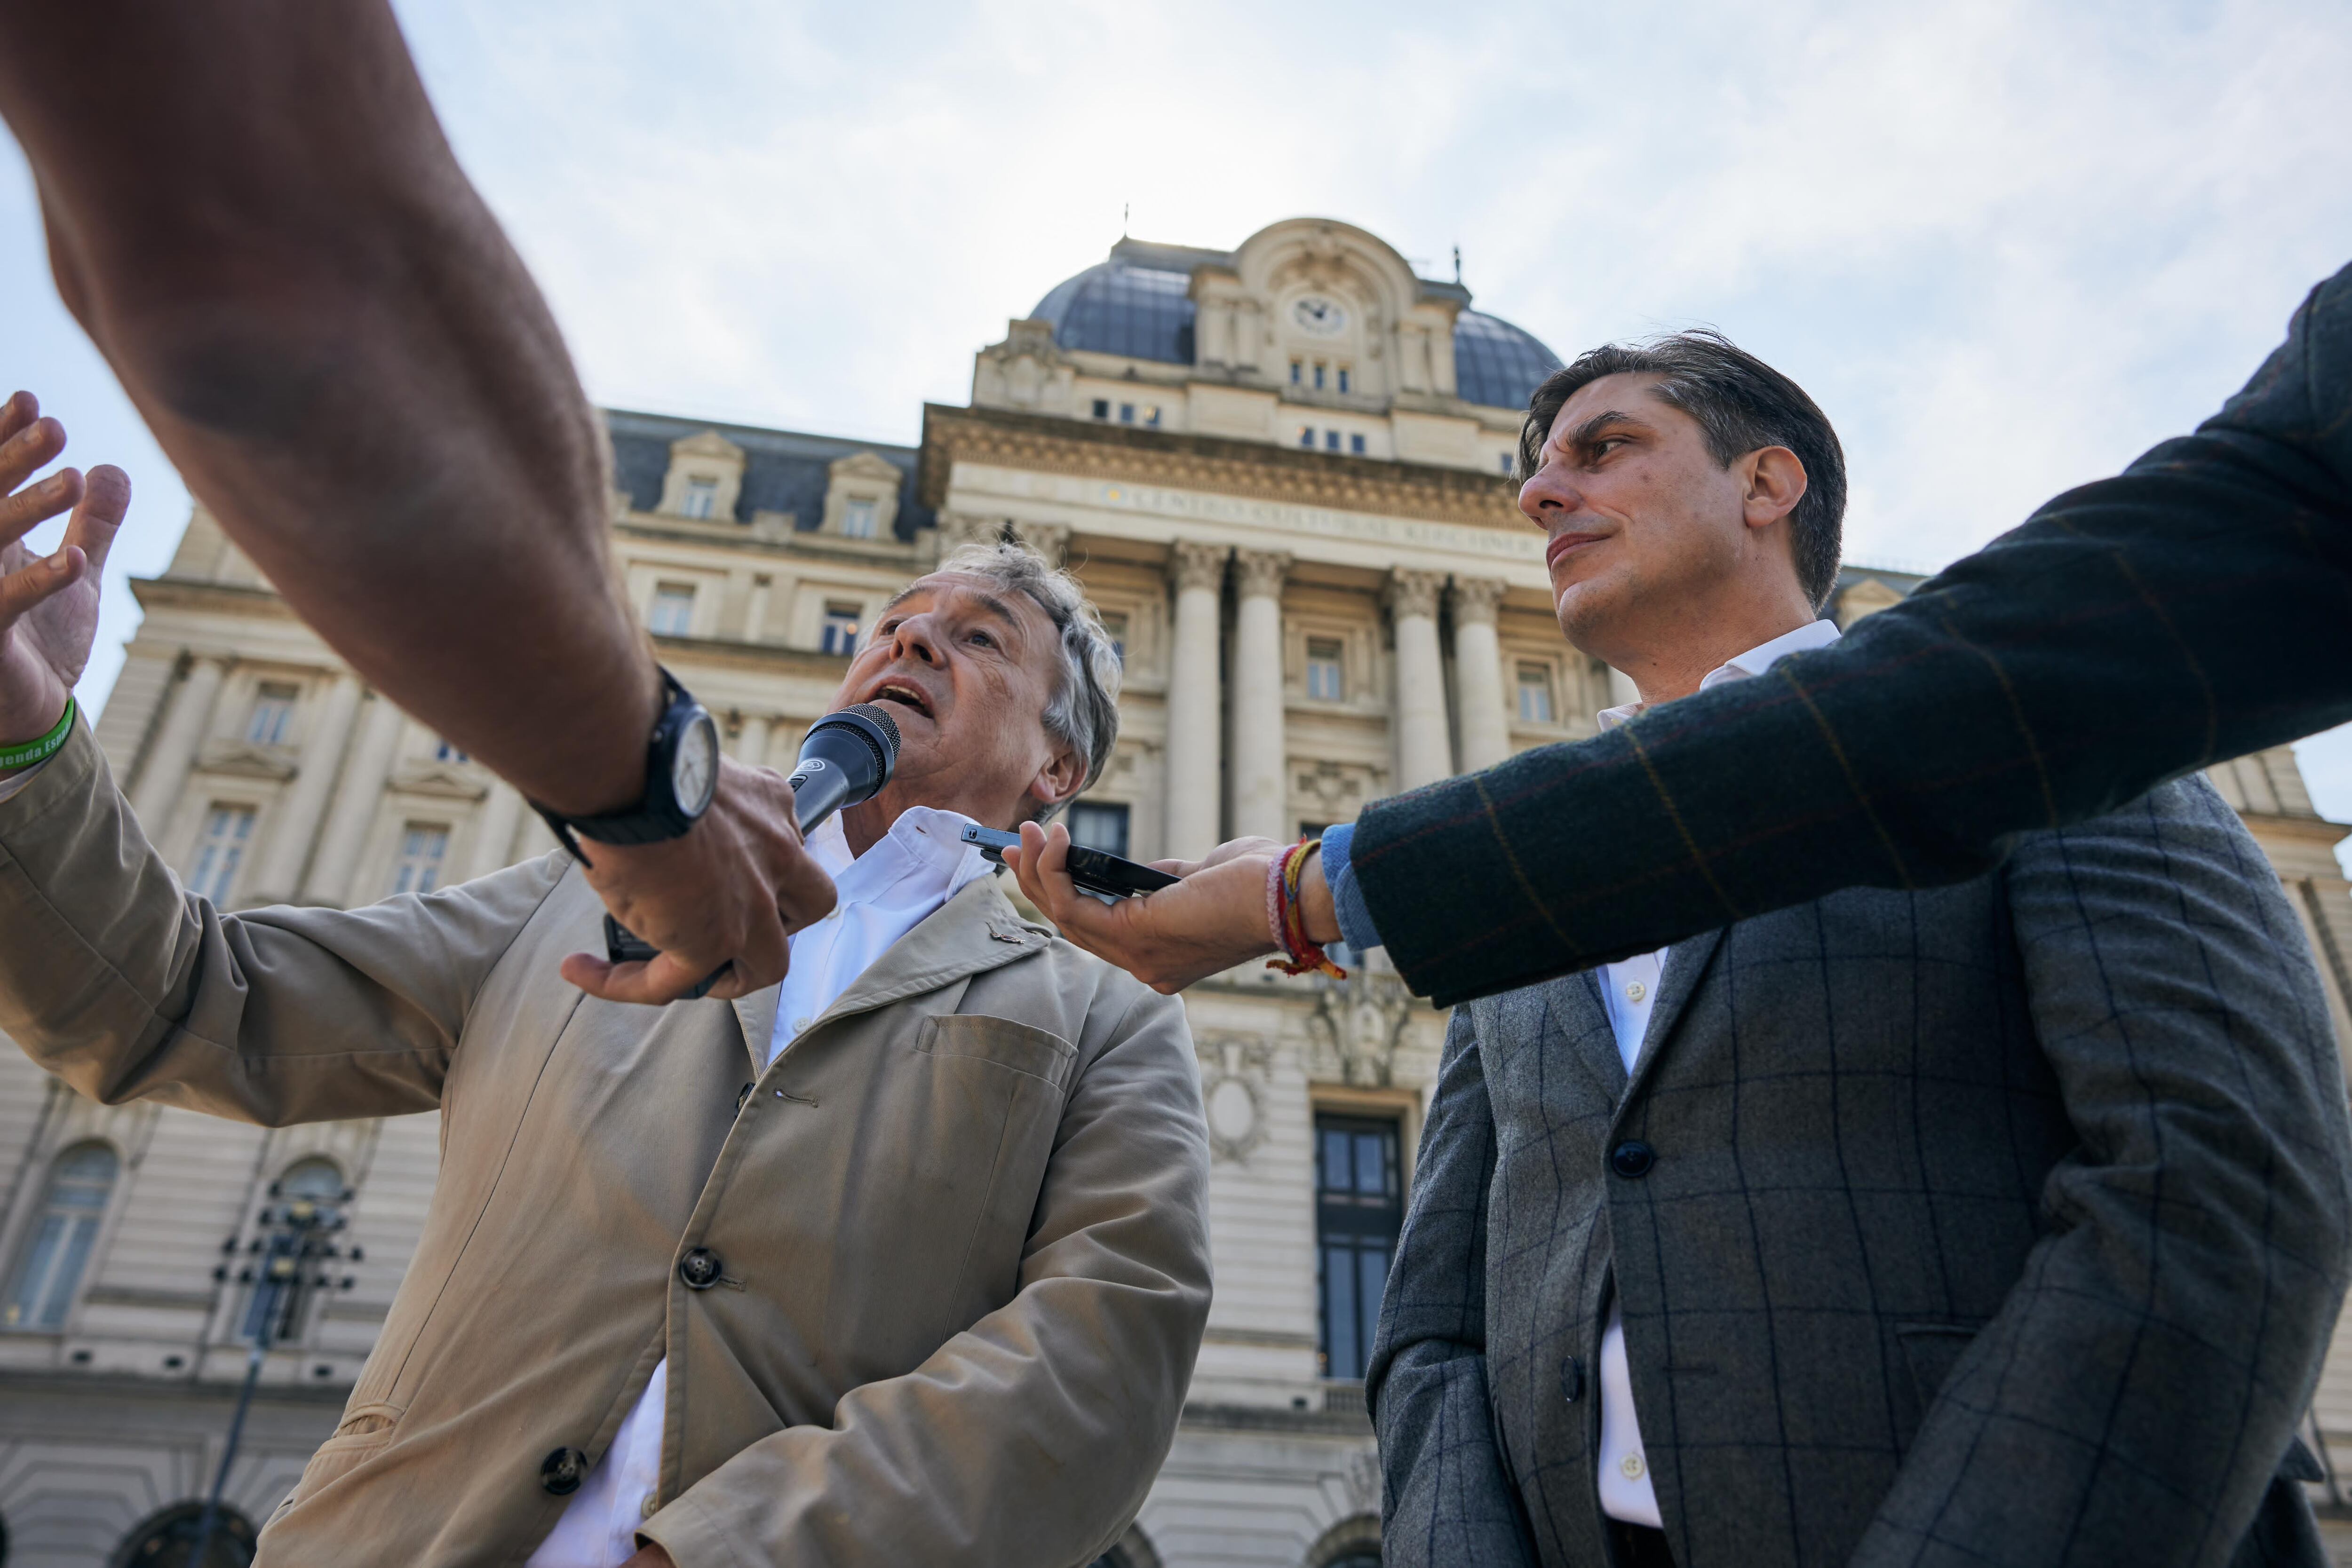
[882,719]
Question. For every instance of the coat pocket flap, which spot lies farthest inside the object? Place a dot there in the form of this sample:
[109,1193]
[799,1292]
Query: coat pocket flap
[1022,1047]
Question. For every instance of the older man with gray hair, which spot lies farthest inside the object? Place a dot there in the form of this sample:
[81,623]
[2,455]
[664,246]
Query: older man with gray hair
[902,1261]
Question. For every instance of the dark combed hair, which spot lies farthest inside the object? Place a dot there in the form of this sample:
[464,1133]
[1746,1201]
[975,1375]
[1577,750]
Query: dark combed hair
[1742,404]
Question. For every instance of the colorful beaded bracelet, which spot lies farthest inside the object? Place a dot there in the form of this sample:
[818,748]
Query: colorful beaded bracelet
[1287,920]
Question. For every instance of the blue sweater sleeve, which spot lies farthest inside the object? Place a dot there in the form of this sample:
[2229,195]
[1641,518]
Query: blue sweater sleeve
[1356,927]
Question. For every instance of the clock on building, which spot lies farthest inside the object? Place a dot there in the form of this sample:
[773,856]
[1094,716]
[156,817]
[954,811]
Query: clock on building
[1317,315]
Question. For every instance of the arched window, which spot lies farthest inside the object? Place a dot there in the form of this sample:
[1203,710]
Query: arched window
[168,1540]
[57,1247]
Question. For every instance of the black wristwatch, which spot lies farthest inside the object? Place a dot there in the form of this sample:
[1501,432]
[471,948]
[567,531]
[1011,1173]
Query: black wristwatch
[681,777]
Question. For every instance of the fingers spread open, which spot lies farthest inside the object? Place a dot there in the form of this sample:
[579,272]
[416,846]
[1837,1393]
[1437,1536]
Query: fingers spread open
[33,445]
[28,509]
[21,409]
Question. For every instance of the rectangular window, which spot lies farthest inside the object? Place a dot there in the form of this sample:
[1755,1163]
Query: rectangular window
[273,711]
[1102,408]
[1356,444]
[1296,369]
[1535,694]
[840,631]
[447,751]
[1313,830]
[1331,441]
[1343,378]
[422,847]
[1114,623]
[1319,369]
[1126,413]
[672,612]
[1305,435]
[1151,415]
[857,517]
[1358,1208]
[1099,825]
[701,494]
[1505,462]
[227,830]
[1325,680]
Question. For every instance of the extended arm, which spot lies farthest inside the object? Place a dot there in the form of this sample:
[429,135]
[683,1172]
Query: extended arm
[252,210]
[1448,1501]
[1032,1436]
[2191,609]
[2143,1379]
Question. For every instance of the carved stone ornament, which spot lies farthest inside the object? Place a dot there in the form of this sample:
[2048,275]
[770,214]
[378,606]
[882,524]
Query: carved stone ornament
[1474,598]
[1198,565]
[1338,790]
[1261,572]
[1363,1481]
[1234,1074]
[1356,1028]
[1414,593]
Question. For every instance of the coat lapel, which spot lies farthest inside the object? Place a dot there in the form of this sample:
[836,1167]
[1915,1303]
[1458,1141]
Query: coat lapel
[1584,1016]
[975,931]
[757,1014]
[1686,962]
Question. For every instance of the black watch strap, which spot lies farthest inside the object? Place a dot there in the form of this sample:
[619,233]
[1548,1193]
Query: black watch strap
[656,817]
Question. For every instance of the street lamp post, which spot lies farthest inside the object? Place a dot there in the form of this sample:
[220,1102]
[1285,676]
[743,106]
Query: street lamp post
[290,1256]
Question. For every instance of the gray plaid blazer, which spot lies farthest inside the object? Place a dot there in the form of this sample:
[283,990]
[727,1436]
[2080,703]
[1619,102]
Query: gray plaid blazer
[2001,1223]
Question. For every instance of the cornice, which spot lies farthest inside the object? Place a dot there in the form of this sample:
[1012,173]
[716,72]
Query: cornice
[1044,444]
[771,658]
[190,593]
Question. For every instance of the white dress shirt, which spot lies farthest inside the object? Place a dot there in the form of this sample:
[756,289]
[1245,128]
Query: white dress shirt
[1628,987]
[902,878]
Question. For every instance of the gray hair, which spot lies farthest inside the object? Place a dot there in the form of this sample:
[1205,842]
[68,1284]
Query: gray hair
[1083,713]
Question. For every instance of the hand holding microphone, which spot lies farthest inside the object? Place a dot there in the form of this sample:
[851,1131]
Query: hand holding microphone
[846,757]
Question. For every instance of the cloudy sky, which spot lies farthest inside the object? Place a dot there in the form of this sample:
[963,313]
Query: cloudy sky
[2006,245]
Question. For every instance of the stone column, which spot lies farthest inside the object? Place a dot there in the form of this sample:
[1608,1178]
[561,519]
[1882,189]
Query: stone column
[1478,674]
[296,823]
[329,881]
[174,751]
[751,740]
[1261,749]
[1195,760]
[755,610]
[494,833]
[1423,753]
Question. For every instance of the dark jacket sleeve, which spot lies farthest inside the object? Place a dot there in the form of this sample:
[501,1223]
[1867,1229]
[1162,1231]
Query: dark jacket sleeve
[2191,609]
[2141,1384]
[1448,1500]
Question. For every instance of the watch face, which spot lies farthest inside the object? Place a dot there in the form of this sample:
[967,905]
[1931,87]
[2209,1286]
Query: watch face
[1319,316]
[694,767]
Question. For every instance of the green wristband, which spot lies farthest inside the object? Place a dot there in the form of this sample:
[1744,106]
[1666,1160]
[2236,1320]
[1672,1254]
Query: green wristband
[41,750]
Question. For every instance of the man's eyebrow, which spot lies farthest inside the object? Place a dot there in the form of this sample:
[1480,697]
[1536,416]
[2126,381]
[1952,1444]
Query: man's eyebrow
[998,608]
[1585,434]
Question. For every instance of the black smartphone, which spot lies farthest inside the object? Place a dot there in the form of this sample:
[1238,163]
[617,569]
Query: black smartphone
[1092,869]
[623,945]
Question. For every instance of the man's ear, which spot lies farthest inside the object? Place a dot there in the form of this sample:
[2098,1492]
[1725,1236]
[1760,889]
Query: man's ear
[1776,483]
[1063,774]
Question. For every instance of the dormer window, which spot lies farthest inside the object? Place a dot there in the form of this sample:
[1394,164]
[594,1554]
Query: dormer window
[861,496]
[700,496]
[705,477]
[671,613]
[857,517]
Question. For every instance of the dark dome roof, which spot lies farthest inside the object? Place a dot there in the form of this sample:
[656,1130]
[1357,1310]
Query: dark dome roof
[1146,313]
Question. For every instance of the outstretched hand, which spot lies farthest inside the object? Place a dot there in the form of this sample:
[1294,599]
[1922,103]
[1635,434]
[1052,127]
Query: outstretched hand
[1206,923]
[48,604]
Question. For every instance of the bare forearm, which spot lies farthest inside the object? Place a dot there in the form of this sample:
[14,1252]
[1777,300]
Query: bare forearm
[335,343]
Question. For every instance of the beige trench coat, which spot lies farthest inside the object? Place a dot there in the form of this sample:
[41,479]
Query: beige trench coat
[960,1228]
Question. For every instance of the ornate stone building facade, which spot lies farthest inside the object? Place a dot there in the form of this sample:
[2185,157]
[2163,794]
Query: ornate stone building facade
[1279,471]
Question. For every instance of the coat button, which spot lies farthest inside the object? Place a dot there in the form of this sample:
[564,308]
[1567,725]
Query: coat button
[699,1268]
[1572,1379]
[562,1471]
[1632,1159]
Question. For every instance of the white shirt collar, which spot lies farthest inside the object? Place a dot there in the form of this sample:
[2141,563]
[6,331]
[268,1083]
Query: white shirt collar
[1743,667]
[923,856]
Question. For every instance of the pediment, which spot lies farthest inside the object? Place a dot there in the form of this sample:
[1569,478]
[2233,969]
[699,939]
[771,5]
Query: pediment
[865,465]
[707,443]
[245,759]
[441,778]
[1867,597]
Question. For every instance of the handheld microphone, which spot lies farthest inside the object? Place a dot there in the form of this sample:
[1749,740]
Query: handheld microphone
[844,760]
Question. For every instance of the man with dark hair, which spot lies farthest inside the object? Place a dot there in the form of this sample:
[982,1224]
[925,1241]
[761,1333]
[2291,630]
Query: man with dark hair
[2004,1222]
